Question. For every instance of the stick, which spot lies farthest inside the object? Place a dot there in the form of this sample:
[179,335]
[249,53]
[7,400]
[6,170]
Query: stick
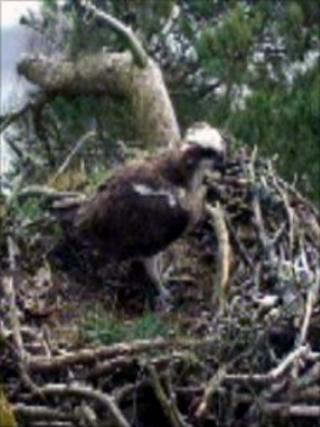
[33,412]
[259,221]
[223,258]
[89,355]
[78,146]
[7,119]
[275,373]
[139,54]
[213,384]
[48,193]
[287,410]
[104,399]
[9,288]
[311,300]
[168,405]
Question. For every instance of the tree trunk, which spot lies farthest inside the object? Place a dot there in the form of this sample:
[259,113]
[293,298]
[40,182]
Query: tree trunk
[112,74]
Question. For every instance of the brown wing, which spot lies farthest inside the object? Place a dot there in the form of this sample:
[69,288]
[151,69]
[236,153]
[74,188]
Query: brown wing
[128,224]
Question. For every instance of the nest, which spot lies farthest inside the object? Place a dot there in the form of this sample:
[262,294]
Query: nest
[248,351]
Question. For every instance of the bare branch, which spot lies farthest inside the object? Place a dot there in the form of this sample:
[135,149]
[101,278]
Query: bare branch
[286,410]
[48,193]
[139,54]
[168,405]
[83,356]
[213,384]
[10,292]
[7,119]
[311,300]
[33,413]
[103,399]
[275,373]
[78,146]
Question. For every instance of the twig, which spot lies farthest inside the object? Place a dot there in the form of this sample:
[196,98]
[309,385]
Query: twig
[213,384]
[33,413]
[53,424]
[109,366]
[309,377]
[286,410]
[138,52]
[48,193]
[87,415]
[8,119]
[85,356]
[26,158]
[275,373]
[300,197]
[289,210]
[103,399]
[311,300]
[168,405]
[239,245]
[78,146]
[14,317]
[122,362]
[259,221]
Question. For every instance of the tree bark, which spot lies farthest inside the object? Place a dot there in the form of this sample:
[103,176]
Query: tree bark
[112,74]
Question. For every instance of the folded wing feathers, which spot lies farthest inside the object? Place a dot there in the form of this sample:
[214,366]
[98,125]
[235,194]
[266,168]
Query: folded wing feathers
[144,190]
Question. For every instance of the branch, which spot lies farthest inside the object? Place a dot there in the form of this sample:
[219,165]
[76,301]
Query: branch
[48,193]
[7,119]
[33,413]
[9,288]
[311,300]
[213,384]
[139,54]
[23,153]
[168,405]
[78,146]
[286,410]
[94,73]
[84,356]
[275,373]
[103,399]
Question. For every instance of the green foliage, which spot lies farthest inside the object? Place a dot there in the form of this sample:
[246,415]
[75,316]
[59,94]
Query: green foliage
[261,49]
[281,113]
[29,210]
[105,329]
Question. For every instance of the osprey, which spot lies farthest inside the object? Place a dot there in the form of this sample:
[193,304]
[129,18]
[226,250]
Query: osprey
[146,206]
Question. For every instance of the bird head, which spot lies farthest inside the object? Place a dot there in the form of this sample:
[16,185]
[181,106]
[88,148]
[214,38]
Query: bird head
[204,147]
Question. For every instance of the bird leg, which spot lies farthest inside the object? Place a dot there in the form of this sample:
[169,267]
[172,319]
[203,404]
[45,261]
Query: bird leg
[153,267]
[196,195]
[196,205]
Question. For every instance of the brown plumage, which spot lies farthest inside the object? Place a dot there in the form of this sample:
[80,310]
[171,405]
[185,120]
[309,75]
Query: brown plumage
[146,206]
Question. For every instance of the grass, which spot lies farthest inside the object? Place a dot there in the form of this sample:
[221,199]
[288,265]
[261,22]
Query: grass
[102,328]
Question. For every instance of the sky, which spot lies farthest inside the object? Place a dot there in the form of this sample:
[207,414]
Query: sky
[13,39]
[13,42]
[11,10]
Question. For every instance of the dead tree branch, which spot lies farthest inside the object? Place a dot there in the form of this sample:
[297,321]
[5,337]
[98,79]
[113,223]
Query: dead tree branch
[103,399]
[169,407]
[139,54]
[78,146]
